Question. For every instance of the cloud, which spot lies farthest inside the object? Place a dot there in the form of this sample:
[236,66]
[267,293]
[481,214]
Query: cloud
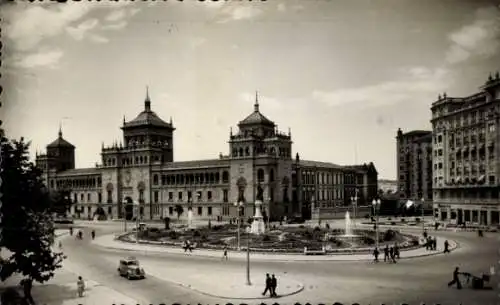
[98,39]
[79,32]
[116,15]
[46,59]
[115,26]
[416,85]
[235,13]
[117,19]
[480,38]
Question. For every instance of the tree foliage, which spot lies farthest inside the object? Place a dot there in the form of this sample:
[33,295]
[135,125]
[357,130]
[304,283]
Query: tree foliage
[61,202]
[28,230]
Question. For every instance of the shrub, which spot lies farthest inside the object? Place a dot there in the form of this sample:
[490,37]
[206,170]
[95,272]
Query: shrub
[266,238]
[367,216]
[417,219]
[204,237]
[154,230]
[196,233]
[389,218]
[308,235]
[301,227]
[414,242]
[393,223]
[389,235]
[317,229]
[403,220]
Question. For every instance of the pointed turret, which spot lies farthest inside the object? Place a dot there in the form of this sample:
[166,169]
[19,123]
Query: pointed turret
[256,105]
[147,101]
[60,131]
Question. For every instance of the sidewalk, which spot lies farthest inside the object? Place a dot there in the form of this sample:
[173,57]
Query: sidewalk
[61,290]
[108,241]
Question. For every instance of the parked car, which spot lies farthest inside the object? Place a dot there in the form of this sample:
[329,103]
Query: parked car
[131,269]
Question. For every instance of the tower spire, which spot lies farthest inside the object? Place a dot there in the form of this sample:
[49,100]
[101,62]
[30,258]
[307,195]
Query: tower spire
[256,105]
[60,130]
[147,102]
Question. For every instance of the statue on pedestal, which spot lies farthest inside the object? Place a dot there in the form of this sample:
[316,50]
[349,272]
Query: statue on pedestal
[260,193]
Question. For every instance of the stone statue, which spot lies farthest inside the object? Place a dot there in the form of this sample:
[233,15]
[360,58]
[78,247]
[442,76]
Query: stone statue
[260,193]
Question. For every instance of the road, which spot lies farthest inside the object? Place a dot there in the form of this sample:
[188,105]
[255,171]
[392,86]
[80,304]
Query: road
[412,280]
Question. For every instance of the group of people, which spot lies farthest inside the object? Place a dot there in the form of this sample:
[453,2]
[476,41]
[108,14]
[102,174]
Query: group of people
[187,246]
[80,233]
[271,284]
[27,286]
[390,254]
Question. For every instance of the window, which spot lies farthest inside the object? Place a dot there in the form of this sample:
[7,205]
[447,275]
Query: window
[190,195]
[75,198]
[491,128]
[199,196]
[271,175]
[141,196]
[170,196]
[225,177]
[156,196]
[99,197]
[200,211]
[82,196]
[110,211]
[225,195]
[110,197]
[89,197]
[155,179]
[260,175]
[170,210]
[209,195]
[179,196]
[209,211]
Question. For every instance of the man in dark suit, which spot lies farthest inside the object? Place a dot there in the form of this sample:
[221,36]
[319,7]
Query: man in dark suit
[268,285]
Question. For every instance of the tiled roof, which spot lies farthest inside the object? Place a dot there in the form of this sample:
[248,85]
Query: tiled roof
[307,163]
[256,118]
[60,142]
[197,163]
[80,172]
[147,118]
[418,133]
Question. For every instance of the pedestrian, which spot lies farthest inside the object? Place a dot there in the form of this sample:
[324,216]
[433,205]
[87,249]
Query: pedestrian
[396,251]
[434,243]
[60,245]
[375,255]
[80,285]
[71,231]
[224,256]
[274,284]
[27,286]
[446,246]
[386,253]
[455,280]
[391,254]
[93,234]
[268,285]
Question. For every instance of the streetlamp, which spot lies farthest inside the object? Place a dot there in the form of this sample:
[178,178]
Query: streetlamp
[423,222]
[376,207]
[354,201]
[248,257]
[136,204]
[239,206]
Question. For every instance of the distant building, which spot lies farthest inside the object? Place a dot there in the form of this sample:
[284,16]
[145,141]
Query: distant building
[414,165]
[142,170]
[466,143]
[388,186]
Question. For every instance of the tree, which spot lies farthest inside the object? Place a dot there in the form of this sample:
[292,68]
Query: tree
[61,202]
[28,229]
[179,210]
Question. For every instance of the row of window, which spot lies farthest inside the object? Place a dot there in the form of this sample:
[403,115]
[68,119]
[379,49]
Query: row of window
[139,160]
[327,178]
[195,178]
[199,196]
[247,151]
[76,183]
[199,210]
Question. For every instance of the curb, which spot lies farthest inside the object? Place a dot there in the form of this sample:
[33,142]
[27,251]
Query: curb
[282,258]
[299,290]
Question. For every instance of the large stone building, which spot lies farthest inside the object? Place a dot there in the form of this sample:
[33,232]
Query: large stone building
[260,166]
[414,165]
[387,186]
[466,144]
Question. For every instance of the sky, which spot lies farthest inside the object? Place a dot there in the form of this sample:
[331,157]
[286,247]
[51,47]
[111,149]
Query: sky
[342,75]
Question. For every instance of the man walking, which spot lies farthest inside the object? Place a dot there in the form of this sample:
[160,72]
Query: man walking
[268,285]
[375,255]
[446,246]
[386,253]
[455,280]
[27,286]
[224,256]
[80,285]
[274,284]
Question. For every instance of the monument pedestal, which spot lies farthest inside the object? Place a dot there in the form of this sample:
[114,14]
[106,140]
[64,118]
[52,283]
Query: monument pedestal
[258,226]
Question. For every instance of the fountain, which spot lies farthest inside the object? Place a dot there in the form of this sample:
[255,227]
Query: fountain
[190,219]
[258,226]
[348,225]
[349,235]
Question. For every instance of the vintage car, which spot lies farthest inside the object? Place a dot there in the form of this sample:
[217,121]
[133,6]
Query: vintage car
[130,269]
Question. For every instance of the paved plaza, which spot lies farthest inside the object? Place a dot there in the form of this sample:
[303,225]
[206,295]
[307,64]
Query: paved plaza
[207,279]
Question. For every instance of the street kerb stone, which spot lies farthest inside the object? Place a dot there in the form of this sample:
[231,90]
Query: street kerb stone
[108,241]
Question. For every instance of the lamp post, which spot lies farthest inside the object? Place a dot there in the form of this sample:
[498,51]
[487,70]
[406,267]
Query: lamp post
[423,222]
[376,207]
[124,218]
[239,205]
[354,201]
[248,257]
[136,204]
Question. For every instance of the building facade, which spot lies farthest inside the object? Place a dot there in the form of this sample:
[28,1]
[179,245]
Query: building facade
[466,145]
[387,186]
[414,165]
[142,170]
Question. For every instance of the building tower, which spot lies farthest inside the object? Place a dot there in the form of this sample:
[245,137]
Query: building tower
[261,164]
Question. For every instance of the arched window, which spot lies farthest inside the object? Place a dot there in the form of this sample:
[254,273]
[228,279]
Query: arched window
[225,177]
[235,152]
[247,151]
[241,152]
[217,177]
[260,175]
[155,179]
[271,175]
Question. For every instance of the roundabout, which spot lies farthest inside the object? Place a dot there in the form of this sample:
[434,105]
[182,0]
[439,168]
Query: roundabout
[203,277]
